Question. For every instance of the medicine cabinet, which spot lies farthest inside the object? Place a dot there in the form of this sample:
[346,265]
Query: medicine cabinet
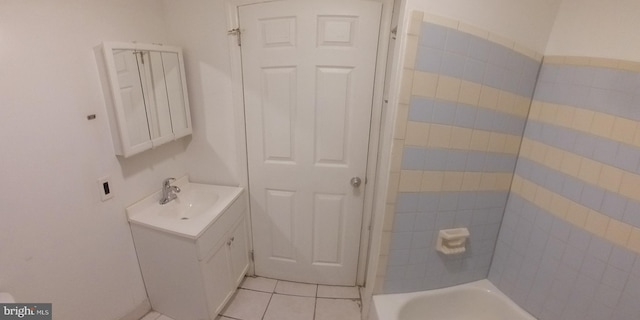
[146,89]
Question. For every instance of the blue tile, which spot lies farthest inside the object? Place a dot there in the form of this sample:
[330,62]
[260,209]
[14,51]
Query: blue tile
[428,201]
[456,160]
[600,248]
[425,221]
[401,240]
[444,112]
[544,221]
[445,220]
[475,161]
[572,189]
[465,116]
[407,202]
[593,268]
[435,159]
[428,59]
[494,76]
[614,205]
[466,201]
[605,150]
[484,119]
[403,222]
[565,74]
[453,64]
[421,239]
[622,259]
[463,218]
[448,201]
[585,145]
[413,158]
[398,257]
[548,73]
[474,70]
[632,214]
[433,35]
[592,196]
[457,42]
[499,55]
[615,277]
[479,49]
[420,109]
[579,239]
[627,158]
[561,230]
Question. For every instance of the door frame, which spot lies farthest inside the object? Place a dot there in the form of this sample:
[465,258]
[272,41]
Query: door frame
[375,125]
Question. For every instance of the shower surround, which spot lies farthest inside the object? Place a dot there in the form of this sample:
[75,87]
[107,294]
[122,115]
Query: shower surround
[465,98]
[569,239]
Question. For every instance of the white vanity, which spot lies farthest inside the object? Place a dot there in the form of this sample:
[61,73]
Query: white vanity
[193,251]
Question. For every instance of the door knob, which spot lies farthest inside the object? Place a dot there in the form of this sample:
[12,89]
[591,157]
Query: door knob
[356,182]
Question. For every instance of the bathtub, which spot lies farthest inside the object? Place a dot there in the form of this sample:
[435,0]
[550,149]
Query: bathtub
[479,300]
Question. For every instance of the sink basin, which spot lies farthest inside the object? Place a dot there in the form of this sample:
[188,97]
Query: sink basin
[189,215]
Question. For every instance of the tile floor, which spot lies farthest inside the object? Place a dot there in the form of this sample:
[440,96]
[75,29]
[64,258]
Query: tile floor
[269,299]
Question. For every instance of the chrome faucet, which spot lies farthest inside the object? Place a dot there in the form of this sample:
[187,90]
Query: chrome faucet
[168,191]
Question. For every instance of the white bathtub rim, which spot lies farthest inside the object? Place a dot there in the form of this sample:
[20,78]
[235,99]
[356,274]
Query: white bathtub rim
[388,306]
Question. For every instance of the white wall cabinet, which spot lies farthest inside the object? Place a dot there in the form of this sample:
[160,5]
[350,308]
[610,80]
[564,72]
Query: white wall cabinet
[146,91]
[193,279]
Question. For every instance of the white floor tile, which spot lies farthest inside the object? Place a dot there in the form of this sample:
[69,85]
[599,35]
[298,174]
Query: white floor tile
[338,292]
[151,316]
[259,284]
[224,318]
[296,288]
[163,317]
[247,305]
[284,307]
[337,309]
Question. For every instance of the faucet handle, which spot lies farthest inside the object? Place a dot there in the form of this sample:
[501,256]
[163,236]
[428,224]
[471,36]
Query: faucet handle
[167,182]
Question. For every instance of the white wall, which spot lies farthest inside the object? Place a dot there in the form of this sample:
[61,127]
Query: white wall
[527,22]
[200,27]
[594,28]
[58,242]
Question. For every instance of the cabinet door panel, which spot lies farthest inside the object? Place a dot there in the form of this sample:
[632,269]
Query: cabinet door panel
[133,107]
[218,284]
[158,102]
[173,76]
[239,252]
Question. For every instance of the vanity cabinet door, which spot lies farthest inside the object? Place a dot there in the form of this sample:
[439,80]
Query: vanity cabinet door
[176,94]
[239,252]
[217,283]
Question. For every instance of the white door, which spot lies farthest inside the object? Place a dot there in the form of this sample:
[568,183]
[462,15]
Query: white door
[308,69]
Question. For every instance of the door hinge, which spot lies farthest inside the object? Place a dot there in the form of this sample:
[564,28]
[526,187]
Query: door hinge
[251,255]
[236,32]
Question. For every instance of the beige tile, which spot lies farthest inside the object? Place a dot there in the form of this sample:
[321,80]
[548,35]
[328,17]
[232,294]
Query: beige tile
[597,223]
[497,142]
[406,86]
[337,309]
[415,24]
[411,51]
[285,307]
[624,130]
[247,305]
[440,20]
[448,88]
[548,112]
[618,232]
[153,315]
[432,181]
[610,178]
[577,215]
[338,292]
[582,120]
[424,84]
[602,124]
[417,134]
[439,136]
[410,181]
[471,181]
[479,140]
[460,138]
[564,116]
[296,288]
[469,93]
[629,185]
[634,240]
[259,284]
[590,170]
[452,181]
[489,97]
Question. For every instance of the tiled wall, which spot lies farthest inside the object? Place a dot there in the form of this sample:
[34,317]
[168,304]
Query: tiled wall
[569,243]
[466,94]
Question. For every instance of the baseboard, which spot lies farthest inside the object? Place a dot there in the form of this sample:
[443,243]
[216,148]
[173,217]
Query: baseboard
[139,311]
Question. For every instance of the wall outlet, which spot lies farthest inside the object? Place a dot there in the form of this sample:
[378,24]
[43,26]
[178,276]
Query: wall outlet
[104,184]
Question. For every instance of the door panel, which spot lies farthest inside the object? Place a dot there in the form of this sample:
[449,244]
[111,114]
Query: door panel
[308,70]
